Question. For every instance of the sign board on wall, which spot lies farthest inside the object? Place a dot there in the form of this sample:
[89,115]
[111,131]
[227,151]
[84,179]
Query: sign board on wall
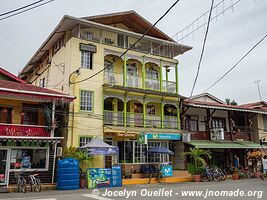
[27,131]
[164,136]
[99,177]
[142,138]
[88,47]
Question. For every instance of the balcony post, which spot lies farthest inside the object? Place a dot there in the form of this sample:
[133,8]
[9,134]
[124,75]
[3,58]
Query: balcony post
[143,73]
[178,115]
[53,119]
[160,75]
[176,77]
[124,72]
[144,111]
[125,110]
[162,113]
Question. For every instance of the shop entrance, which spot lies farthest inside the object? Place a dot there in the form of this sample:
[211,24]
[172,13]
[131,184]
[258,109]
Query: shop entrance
[3,166]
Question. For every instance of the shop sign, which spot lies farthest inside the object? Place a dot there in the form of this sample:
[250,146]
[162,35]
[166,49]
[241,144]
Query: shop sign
[24,144]
[116,176]
[88,47]
[164,136]
[166,170]
[142,138]
[11,130]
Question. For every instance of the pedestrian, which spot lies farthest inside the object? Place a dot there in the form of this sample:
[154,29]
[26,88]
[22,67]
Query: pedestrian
[264,167]
[236,161]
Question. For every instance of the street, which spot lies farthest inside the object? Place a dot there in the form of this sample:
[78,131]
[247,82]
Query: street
[241,189]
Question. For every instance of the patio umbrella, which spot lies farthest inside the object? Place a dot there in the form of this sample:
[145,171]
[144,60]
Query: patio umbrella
[98,147]
[160,150]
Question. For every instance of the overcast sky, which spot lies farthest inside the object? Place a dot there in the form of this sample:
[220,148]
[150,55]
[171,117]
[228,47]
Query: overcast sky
[229,38]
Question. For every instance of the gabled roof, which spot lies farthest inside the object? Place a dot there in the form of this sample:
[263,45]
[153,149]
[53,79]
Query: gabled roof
[261,105]
[11,76]
[206,96]
[27,90]
[132,20]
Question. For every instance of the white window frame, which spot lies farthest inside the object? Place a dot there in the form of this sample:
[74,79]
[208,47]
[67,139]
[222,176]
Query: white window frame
[86,60]
[85,101]
[87,140]
[32,169]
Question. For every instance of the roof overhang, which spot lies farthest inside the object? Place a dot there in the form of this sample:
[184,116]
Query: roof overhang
[22,138]
[41,95]
[69,22]
[197,105]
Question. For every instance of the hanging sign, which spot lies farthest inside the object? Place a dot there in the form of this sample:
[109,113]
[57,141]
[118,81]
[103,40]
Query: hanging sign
[142,138]
[164,136]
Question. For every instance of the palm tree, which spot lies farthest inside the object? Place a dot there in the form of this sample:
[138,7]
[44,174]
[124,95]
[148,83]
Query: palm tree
[198,154]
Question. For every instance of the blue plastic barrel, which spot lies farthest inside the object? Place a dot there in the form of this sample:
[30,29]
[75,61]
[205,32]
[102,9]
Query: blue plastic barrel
[68,174]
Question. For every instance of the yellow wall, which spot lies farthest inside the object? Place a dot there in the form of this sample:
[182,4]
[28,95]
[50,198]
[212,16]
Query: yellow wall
[261,126]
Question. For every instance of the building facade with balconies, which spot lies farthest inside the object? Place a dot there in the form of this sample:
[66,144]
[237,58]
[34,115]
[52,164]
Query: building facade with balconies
[225,130]
[131,94]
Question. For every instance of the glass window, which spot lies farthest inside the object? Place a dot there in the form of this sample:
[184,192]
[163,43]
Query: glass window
[125,151]
[86,101]
[86,59]
[30,114]
[121,40]
[151,110]
[218,123]
[191,123]
[28,159]
[84,140]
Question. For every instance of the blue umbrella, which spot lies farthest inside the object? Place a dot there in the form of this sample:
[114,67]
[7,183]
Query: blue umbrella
[160,150]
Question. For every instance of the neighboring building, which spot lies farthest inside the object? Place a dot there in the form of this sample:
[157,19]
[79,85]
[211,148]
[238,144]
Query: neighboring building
[226,130]
[28,130]
[136,94]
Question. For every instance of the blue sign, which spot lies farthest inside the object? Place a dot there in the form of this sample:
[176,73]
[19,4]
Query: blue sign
[166,170]
[99,177]
[116,180]
[163,136]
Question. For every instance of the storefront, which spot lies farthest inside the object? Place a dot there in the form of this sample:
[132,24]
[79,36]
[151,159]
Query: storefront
[133,152]
[27,154]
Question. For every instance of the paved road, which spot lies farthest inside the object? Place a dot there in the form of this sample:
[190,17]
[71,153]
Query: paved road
[250,189]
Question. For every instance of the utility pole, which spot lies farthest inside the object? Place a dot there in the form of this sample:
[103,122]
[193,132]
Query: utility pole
[257,82]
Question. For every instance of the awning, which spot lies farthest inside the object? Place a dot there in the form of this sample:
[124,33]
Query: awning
[206,144]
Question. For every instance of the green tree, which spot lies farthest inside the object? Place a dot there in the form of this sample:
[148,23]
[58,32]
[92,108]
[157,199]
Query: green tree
[198,156]
[229,102]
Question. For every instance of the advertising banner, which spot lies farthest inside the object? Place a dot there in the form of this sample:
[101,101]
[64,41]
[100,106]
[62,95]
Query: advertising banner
[116,176]
[99,177]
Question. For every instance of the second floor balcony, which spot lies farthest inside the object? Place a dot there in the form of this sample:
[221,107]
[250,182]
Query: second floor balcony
[140,74]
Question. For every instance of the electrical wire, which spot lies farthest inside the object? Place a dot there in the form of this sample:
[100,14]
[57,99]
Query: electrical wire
[26,10]
[17,9]
[119,57]
[202,51]
[236,63]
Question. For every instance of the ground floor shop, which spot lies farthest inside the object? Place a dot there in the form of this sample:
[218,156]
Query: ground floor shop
[133,152]
[27,155]
[223,153]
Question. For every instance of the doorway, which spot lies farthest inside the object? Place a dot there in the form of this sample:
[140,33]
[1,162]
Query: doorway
[3,166]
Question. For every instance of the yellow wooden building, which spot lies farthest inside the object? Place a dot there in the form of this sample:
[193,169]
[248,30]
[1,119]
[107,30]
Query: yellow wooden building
[130,94]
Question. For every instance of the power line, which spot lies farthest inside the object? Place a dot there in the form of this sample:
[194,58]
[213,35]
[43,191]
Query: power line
[237,63]
[26,10]
[202,51]
[17,9]
[119,57]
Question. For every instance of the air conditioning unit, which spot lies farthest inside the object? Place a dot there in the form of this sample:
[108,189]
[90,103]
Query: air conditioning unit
[217,134]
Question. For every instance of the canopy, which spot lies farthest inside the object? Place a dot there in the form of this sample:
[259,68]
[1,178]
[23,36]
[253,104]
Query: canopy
[207,144]
[160,150]
[98,147]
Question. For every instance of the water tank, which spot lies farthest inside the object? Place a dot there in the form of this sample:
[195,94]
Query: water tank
[68,174]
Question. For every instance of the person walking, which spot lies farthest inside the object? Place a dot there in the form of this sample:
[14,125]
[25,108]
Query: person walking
[264,167]
[236,161]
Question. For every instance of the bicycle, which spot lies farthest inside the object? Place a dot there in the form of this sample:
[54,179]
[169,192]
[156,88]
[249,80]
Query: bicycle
[35,183]
[209,174]
[21,181]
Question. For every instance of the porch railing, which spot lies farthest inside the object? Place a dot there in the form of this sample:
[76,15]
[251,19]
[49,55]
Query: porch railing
[113,118]
[170,122]
[135,119]
[134,81]
[169,86]
[152,84]
[113,78]
[153,121]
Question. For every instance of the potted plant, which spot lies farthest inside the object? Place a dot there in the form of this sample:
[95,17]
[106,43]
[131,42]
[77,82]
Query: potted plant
[235,174]
[83,159]
[197,155]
